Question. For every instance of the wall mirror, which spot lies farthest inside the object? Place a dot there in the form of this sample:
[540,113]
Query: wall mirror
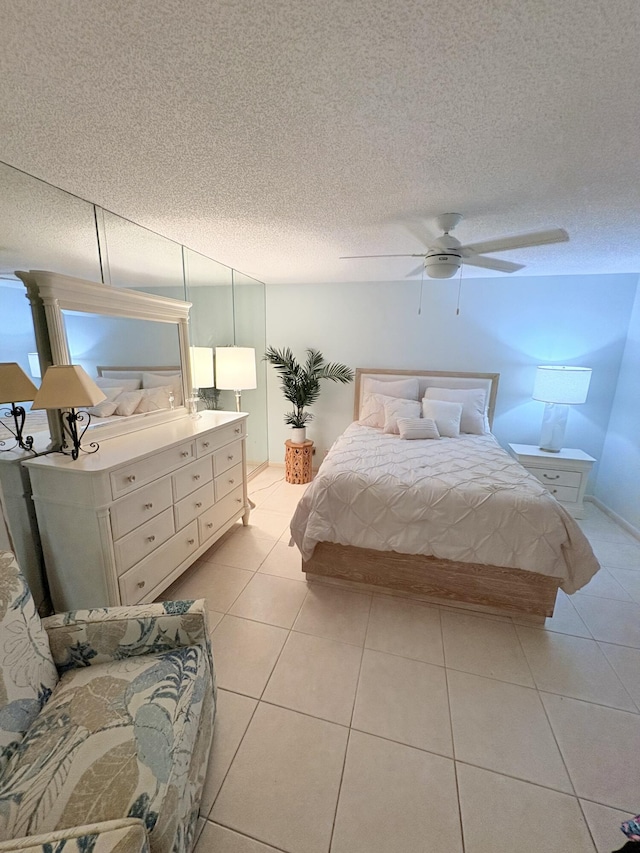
[138,340]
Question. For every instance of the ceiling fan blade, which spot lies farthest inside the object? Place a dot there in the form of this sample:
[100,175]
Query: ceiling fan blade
[521,241]
[492,263]
[352,257]
[417,270]
[420,231]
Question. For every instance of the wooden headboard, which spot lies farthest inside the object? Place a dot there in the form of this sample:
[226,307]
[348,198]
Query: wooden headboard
[133,370]
[430,378]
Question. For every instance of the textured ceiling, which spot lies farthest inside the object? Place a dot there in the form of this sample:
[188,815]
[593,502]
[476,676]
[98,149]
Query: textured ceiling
[275,136]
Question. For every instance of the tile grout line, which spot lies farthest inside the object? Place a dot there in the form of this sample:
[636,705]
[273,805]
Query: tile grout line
[243,835]
[453,742]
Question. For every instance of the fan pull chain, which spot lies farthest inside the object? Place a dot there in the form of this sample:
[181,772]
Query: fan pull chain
[421,283]
[459,289]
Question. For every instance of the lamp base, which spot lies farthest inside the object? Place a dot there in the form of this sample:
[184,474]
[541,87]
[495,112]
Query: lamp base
[554,424]
[72,436]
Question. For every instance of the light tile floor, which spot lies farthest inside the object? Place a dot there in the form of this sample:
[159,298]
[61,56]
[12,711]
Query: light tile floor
[354,722]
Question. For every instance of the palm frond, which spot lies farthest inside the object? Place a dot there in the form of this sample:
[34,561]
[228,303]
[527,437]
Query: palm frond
[337,372]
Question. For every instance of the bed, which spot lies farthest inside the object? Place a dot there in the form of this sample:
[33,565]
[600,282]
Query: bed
[456,520]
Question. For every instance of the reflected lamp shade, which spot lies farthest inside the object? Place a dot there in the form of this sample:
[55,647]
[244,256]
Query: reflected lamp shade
[15,385]
[67,386]
[559,387]
[236,370]
[201,367]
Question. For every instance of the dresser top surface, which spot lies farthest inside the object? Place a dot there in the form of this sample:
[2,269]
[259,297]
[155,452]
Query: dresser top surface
[136,445]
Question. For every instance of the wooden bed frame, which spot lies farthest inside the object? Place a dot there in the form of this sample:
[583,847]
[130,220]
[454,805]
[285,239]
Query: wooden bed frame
[474,586]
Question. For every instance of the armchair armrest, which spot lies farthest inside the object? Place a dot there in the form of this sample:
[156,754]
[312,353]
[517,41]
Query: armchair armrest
[85,637]
[127,834]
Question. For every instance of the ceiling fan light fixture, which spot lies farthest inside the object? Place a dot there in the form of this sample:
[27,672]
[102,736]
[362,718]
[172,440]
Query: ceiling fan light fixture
[442,264]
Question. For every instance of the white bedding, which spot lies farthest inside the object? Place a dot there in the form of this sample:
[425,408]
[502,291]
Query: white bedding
[461,499]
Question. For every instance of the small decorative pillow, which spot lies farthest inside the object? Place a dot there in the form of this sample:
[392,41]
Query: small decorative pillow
[127,403]
[396,407]
[154,399]
[408,389]
[104,382]
[372,410]
[418,428]
[103,410]
[160,380]
[474,401]
[446,415]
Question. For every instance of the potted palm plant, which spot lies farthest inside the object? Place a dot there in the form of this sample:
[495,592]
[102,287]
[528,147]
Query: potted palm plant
[300,383]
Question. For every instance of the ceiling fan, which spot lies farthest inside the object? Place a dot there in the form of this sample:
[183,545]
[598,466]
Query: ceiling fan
[445,255]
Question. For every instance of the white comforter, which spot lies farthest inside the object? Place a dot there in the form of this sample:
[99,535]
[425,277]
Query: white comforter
[460,499]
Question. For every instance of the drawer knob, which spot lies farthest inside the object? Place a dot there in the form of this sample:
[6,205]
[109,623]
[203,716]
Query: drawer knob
[238,500]
[190,541]
[238,429]
[554,491]
[185,453]
[148,506]
[549,477]
[141,584]
[196,476]
[210,525]
[231,482]
[205,444]
[131,478]
[198,504]
[151,538]
[230,457]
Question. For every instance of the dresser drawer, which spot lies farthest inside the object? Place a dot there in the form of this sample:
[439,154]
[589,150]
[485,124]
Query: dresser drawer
[193,505]
[146,575]
[553,477]
[212,520]
[141,541]
[192,477]
[565,494]
[228,481]
[227,457]
[130,477]
[214,440]
[144,504]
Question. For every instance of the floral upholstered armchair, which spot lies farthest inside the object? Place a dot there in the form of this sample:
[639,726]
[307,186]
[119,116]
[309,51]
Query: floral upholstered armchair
[106,719]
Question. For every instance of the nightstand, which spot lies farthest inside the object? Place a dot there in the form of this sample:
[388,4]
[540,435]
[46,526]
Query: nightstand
[565,474]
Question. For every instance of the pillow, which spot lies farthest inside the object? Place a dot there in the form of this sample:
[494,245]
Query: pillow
[446,415]
[123,384]
[158,380]
[408,389]
[154,399]
[418,428]
[474,401]
[127,403]
[372,410]
[107,407]
[394,408]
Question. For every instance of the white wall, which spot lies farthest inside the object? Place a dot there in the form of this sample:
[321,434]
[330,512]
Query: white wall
[505,325]
[618,483]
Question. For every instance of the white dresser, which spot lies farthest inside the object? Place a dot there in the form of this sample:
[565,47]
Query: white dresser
[120,525]
[565,473]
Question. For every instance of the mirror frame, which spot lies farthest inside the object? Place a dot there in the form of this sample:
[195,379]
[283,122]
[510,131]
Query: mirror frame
[50,293]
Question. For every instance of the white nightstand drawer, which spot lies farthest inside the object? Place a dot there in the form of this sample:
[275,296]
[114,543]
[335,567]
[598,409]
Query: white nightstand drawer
[227,457]
[192,477]
[142,541]
[193,505]
[220,513]
[555,477]
[138,508]
[137,474]
[141,579]
[564,494]
[228,481]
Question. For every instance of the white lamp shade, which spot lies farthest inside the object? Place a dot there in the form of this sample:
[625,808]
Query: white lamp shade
[34,364]
[201,367]
[235,368]
[67,386]
[15,385]
[567,385]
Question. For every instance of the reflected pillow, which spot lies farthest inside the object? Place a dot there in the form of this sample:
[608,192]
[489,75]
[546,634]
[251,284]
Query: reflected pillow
[154,399]
[107,407]
[411,428]
[474,406]
[395,408]
[109,382]
[158,380]
[446,415]
[127,403]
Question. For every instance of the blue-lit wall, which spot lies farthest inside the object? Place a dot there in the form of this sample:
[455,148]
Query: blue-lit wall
[506,325]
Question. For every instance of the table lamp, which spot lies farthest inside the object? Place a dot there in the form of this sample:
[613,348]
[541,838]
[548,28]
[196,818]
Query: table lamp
[16,385]
[236,370]
[67,386]
[201,374]
[559,388]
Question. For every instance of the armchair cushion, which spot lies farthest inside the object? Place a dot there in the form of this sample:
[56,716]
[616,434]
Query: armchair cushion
[27,671]
[114,836]
[129,737]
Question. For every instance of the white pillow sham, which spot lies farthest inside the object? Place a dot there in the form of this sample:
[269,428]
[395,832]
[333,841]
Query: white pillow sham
[474,406]
[107,407]
[408,389]
[154,399]
[109,382]
[446,415]
[127,403]
[159,380]
[372,410]
[412,428]
[396,407]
